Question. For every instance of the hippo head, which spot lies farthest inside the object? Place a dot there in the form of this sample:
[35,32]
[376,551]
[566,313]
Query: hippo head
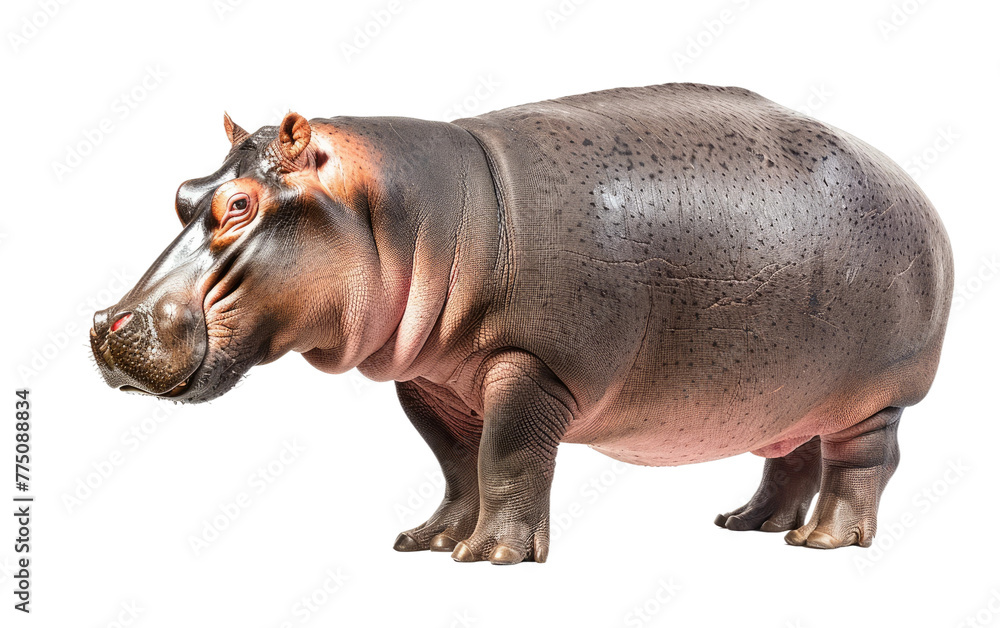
[268,261]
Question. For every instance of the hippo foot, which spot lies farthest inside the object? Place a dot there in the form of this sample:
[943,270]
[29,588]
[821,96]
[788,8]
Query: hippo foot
[782,499]
[839,524]
[504,541]
[451,522]
[857,464]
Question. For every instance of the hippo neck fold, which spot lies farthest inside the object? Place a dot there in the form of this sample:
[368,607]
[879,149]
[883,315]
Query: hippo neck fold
[433,219]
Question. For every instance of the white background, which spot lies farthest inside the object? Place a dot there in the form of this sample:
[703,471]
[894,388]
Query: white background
[916,80]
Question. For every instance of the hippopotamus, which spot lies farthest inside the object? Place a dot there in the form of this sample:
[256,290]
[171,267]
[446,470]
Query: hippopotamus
[669,274]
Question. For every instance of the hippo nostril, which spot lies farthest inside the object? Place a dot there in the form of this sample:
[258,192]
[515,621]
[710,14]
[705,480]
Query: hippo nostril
[121,321]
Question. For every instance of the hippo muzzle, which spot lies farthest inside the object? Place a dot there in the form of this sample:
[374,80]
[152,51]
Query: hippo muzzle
[152,341]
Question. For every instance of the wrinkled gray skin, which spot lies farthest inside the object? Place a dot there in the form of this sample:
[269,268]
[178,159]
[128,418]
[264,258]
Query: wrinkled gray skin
[669,274]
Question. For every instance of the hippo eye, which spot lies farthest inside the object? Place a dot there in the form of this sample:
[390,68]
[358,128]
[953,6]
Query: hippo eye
[238,204]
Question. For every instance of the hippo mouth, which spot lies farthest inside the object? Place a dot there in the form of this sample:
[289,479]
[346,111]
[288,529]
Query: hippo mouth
[196,387]
[176,391]
[218,372]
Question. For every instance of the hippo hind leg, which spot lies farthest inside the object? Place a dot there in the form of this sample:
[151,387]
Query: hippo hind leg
[857,464]
[782,499]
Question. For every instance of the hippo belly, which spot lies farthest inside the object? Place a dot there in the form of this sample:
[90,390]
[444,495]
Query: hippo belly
[715,273]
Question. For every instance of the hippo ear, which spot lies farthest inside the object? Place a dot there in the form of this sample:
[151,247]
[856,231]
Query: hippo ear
[294,134]
[234,132]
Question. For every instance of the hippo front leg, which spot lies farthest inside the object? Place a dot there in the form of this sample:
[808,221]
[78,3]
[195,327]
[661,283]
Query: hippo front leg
[526,412]
[453,436]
